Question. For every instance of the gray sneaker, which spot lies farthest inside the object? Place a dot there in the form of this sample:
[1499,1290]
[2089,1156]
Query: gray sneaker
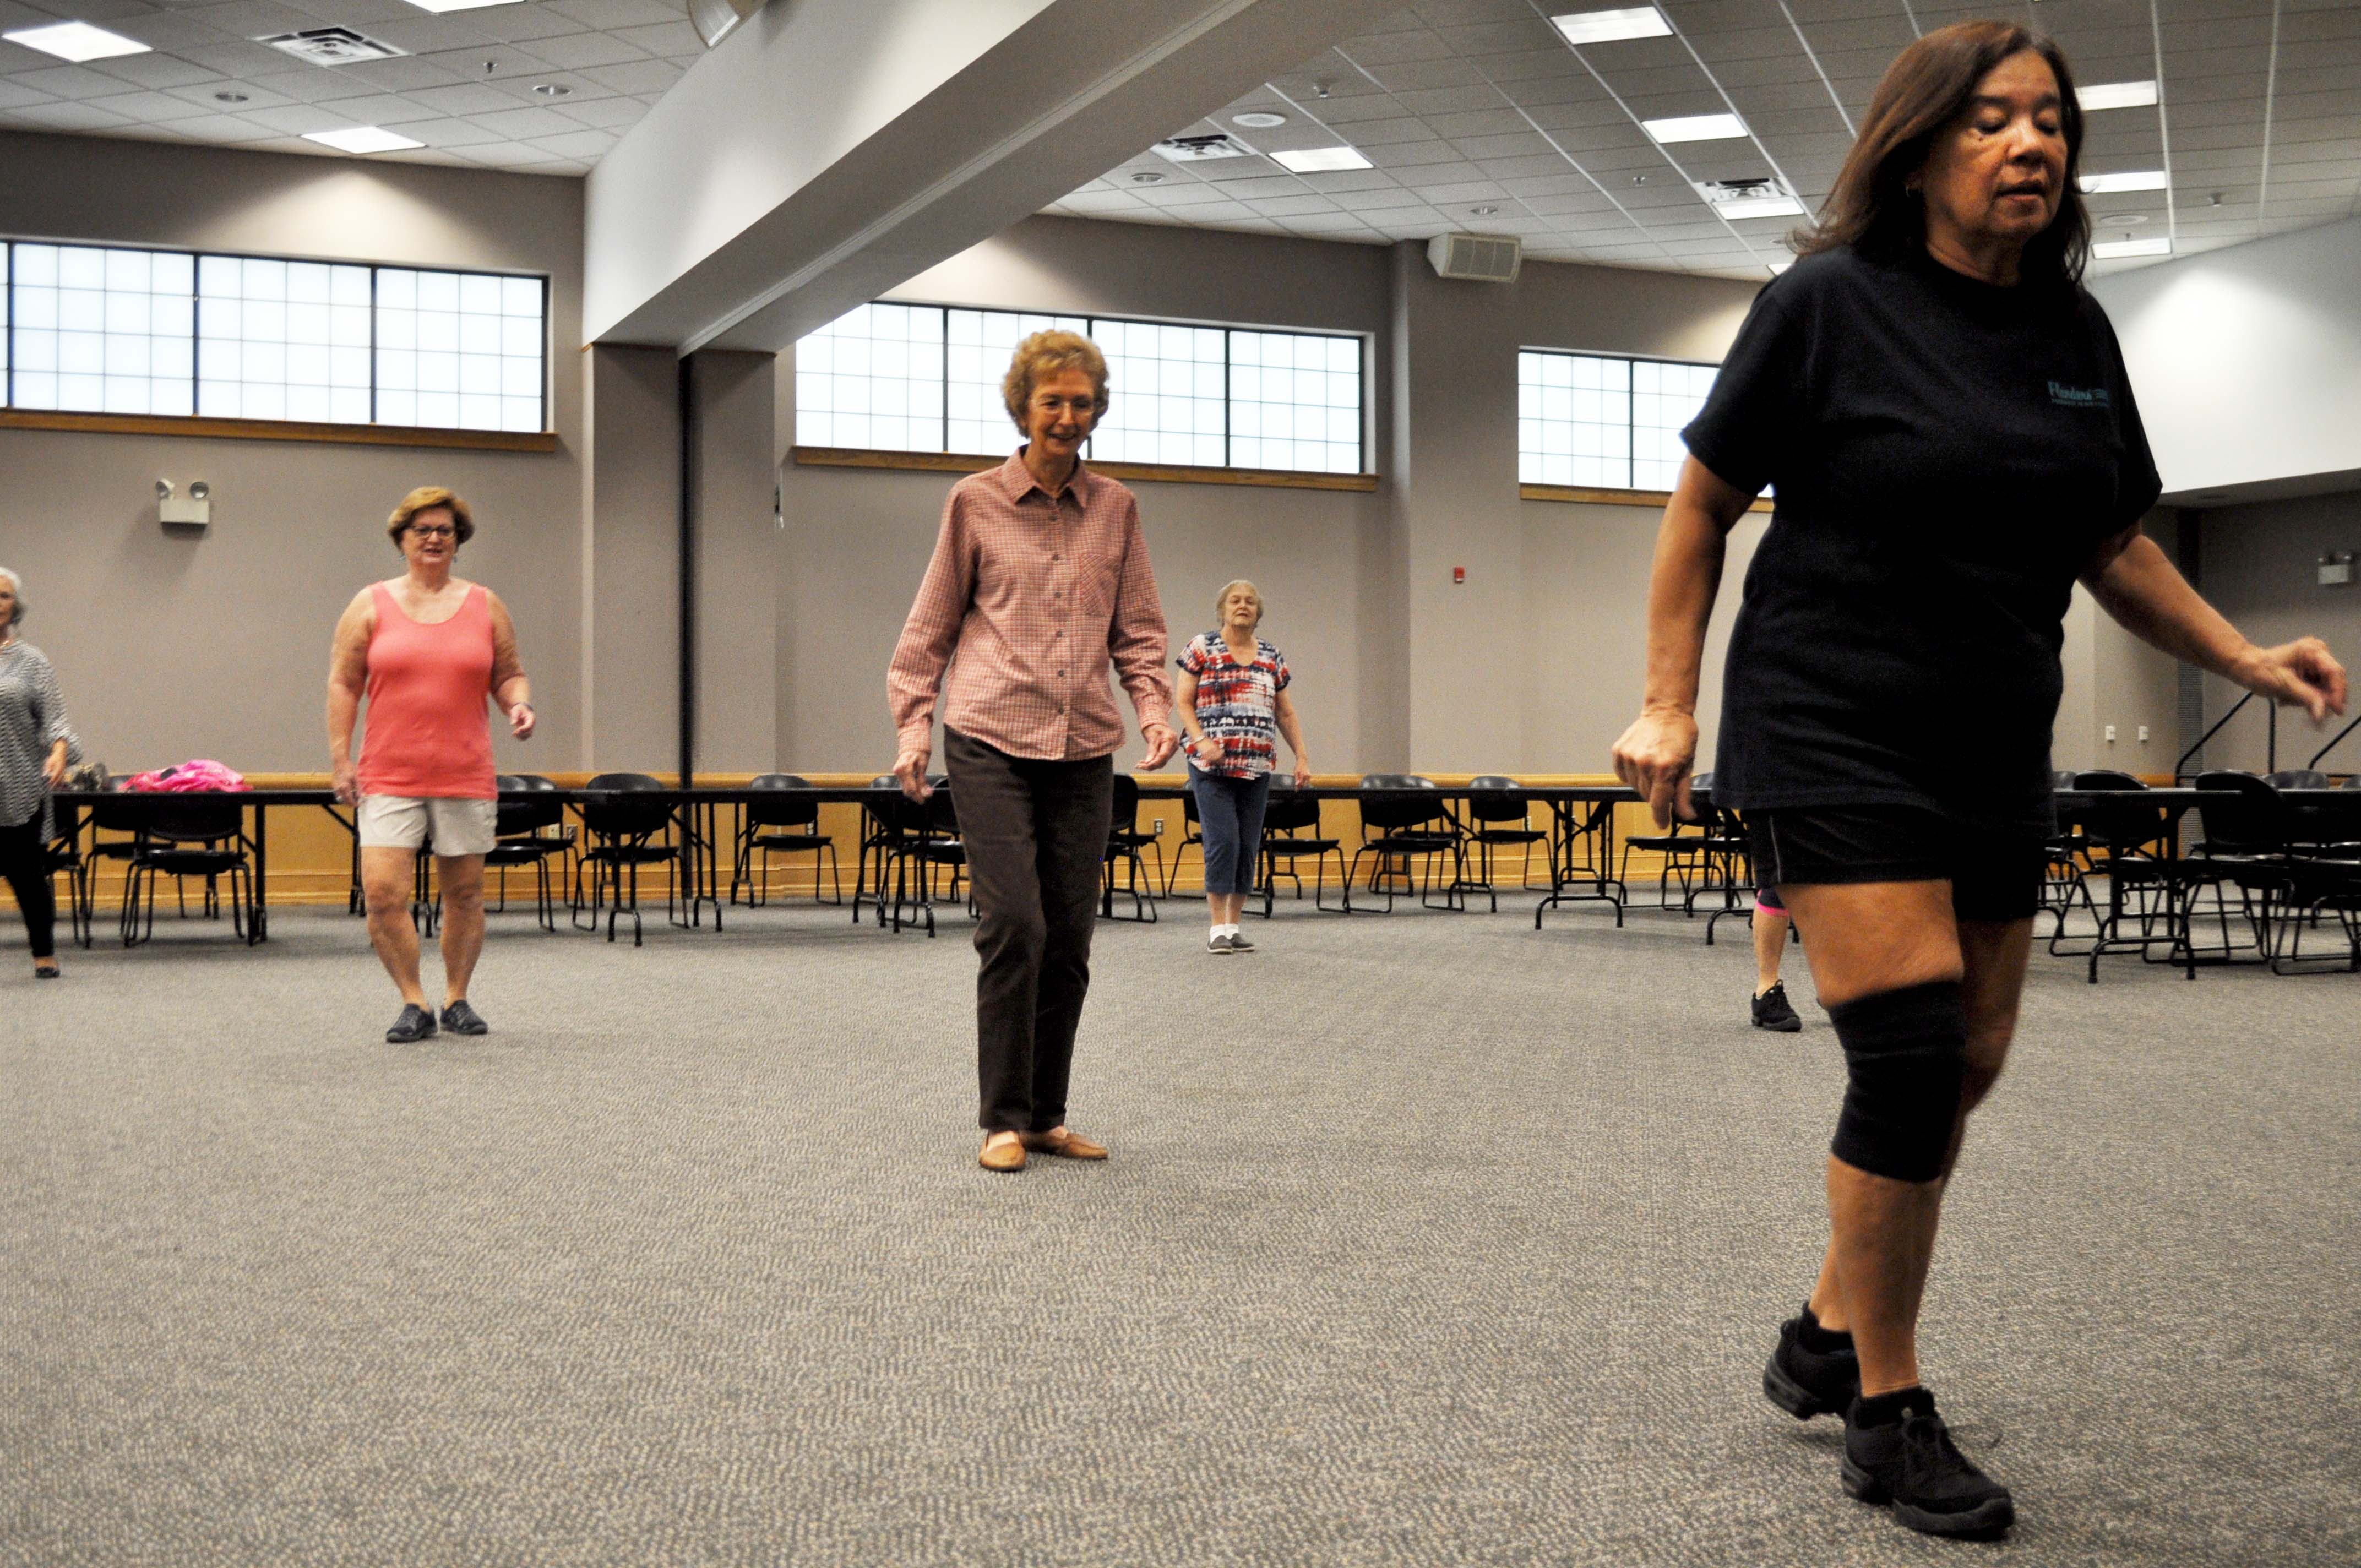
[1238,944]
[1219,945]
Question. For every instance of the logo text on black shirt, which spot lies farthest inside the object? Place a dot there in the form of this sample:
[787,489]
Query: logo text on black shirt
[2077,397]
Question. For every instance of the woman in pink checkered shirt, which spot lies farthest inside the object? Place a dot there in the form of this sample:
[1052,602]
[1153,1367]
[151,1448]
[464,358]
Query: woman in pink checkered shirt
[1039,583]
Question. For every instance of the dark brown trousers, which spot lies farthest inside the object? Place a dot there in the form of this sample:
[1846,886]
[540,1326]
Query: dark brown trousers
[1036,835]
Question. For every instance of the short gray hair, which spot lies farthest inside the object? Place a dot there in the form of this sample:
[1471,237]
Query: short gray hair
[17,587]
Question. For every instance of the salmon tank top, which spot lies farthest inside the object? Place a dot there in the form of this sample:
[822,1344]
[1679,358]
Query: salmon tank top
[428,733]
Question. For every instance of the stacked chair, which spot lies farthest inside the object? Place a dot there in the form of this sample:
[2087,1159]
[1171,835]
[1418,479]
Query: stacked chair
[1498,819]
[622,833]
[1291,834]
[529,833]
[1125,838]
[182,836]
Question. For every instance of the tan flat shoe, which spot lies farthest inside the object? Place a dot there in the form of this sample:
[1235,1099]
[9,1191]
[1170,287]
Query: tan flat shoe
[1003,1152]
[1066,1142]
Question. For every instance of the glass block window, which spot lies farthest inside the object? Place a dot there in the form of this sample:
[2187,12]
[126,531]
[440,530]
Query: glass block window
[282,340]
[976,359]
[1170,391]
[174,332]
[1181,395]
[105,331]
[459,350]
[1604,422]
[1297,400]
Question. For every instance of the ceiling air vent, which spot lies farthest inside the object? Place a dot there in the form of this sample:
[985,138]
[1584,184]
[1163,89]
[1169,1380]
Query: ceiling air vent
[333,46]
[1481,259]
[1202,149]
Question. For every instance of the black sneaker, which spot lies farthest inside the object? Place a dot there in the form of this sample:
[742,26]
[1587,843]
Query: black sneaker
[1239,943]
[1914,1464]
[1806,1382]
[415,1024]
[1772,1011]
[1218,944]
[462,1019]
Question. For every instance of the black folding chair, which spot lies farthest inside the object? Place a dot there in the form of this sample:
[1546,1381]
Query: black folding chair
[783,827]
[921,840]
[64,857]
[622,833]
[1125,838]
[2144,875]
[528,833]
[1500,818]
[1192,832]
[182,836]
[1400,820]
[1291,834]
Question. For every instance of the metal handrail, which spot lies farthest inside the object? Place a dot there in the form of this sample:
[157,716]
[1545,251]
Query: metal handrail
[2272,718]
[2333,740]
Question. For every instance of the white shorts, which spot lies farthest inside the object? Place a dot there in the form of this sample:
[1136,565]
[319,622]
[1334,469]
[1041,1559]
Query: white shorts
[457,827]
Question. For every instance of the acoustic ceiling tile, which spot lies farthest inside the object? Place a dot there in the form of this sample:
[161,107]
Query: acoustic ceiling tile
[303,120]
[1294,206]
[1523,146]
[520,24]
[576,51]
[262,19]
[415,72]
[147,108]
[581,144]
[1388,133]
[522,87]
[159,71]
[674,40]
[636,76]
[526,125]
[69,81]
[1375,51]
[241,60]
[1513,173]
[608,15]
[603,113]
[1413,76]
[375,109]
[470,98]
[1449,100]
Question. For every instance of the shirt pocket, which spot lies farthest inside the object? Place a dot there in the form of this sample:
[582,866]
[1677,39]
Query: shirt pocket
[1097,577]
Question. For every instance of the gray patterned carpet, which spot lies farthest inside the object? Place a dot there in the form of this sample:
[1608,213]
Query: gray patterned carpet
[1427,1240]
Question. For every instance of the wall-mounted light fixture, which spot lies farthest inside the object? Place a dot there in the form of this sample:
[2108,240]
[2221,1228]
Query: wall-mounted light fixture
[2336,568]
[196,510]
[716,20]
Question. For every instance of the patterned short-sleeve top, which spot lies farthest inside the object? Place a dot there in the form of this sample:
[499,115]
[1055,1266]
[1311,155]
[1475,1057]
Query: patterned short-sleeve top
[1237,705]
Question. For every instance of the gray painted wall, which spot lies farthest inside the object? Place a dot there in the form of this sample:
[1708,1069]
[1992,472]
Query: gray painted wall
[2261,571]
[171,646]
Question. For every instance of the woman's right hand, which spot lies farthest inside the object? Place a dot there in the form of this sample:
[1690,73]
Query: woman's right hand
[343,780]
[1654,757]
[1204,751]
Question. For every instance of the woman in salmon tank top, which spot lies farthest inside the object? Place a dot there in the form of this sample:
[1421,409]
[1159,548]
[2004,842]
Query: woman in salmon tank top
[426,650]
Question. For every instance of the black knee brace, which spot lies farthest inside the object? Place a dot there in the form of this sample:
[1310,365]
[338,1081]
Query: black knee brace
[1906,1056]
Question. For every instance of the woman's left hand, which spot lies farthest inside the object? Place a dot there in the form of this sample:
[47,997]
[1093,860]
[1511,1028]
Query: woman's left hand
[2302,673]
[53,767]
[521,719]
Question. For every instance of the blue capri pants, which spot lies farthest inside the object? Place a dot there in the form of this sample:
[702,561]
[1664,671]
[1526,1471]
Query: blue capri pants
[1229,814]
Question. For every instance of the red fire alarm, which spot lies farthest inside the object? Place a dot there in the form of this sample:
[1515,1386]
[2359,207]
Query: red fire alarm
[1458,574]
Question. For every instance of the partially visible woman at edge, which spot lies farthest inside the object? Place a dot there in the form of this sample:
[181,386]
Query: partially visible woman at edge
[37,746]
[426,648]
[1946,418]
[1233,705]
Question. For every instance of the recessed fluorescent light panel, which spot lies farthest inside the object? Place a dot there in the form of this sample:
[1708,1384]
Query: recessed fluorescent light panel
[362,139]
[2116,249]
[76,41]
[1695,127]
[2116,95]
[1319,159]
[439,6]
[1606,26]
[2108,184]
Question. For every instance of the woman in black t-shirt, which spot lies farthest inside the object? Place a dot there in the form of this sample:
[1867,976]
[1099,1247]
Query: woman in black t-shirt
[1953,441]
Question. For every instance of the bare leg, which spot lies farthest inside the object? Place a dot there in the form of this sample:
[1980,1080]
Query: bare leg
[1993,956]
[1770,945]
[1860,940]
[386,876]
[461,878]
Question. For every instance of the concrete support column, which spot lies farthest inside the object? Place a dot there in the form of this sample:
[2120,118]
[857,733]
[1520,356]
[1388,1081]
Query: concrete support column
[631,552]
[738,559]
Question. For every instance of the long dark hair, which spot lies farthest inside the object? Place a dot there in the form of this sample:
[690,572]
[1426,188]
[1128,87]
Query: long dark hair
[1871,206]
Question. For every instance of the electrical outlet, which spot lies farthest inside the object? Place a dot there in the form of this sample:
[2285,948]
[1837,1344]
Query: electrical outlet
[2142,734]
[1157,823]
[2111,734]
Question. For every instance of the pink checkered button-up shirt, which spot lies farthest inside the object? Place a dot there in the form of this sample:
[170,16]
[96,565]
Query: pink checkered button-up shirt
[1036,594]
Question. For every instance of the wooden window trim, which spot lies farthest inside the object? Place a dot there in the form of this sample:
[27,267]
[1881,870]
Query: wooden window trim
[279,429]
[958,463]
[1655,499]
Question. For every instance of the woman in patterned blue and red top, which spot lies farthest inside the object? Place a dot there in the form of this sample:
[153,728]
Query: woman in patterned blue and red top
[1233,706]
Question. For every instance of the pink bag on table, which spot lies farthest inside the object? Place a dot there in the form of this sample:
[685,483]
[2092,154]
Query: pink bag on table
[201,774]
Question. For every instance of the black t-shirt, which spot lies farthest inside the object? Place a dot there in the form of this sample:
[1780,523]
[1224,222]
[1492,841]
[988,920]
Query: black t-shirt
[1947,456]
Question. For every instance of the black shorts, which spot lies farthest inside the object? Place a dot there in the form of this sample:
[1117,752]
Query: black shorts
[1995,871]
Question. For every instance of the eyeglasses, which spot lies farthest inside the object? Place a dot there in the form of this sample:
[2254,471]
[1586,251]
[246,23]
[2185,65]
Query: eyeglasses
[432,533]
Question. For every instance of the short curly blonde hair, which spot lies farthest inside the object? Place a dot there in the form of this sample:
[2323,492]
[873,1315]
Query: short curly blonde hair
[426,497]
[1045,354]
